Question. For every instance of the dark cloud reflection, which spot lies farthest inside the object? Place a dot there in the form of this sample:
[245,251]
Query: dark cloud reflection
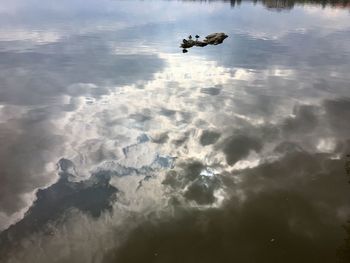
[238,147]
[51,204]
[286,217]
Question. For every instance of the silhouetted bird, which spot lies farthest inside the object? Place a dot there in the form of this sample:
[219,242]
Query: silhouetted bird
[189,37]
[184,50]
[197,37]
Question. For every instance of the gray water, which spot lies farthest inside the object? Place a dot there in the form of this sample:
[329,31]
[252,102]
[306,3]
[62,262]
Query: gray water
[117,147]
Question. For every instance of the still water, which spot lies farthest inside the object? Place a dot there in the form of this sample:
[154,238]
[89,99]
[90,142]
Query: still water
[117,147]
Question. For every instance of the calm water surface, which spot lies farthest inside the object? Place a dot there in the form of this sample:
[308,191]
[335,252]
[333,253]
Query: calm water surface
[117,147]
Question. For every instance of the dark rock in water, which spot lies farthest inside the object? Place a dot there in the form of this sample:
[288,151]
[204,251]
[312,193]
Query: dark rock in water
[212,39]
[191,43]
[215,38]
[201,44]
[188,43]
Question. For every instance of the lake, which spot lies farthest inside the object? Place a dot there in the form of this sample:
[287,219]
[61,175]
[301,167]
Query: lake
[115,146]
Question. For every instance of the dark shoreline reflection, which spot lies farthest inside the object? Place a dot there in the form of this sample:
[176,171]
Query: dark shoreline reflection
[284,4]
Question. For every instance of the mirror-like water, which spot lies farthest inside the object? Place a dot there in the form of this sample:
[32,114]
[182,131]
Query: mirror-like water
[117,147]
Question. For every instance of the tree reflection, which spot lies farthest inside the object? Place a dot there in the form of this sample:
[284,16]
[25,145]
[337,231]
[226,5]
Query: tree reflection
[287,4]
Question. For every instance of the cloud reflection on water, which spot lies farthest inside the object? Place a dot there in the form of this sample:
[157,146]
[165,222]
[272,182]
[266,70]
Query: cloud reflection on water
[256,130]
[189,115]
